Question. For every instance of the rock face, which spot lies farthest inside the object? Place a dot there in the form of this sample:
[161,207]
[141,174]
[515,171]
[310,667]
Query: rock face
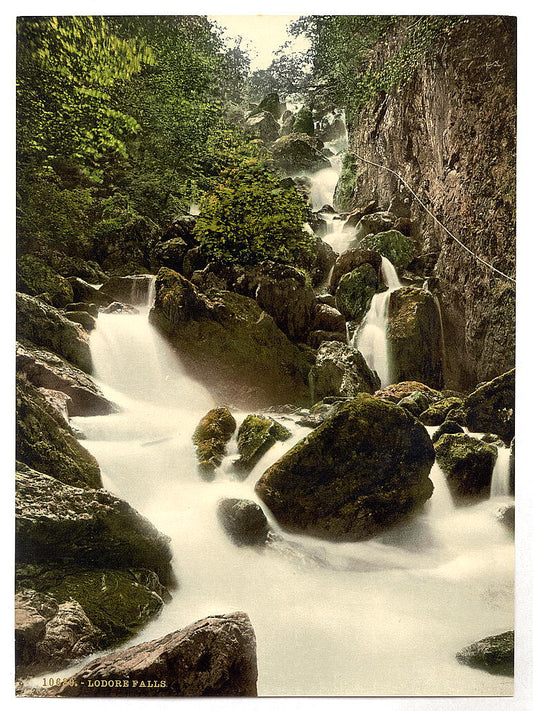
[226,340]
[397,248]
[59,523]
[415,337]
[215,656]
[45,442]
[256,436]
[211,436]
[244,522]
[299,153]
[263,126]
[450,132]
[47,370]
[45,326]
[355,292]
[341,370]
[493,654]
[364,469]
[467,463]
[490,408]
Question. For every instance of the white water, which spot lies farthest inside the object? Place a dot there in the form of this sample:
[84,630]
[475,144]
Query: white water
[371,339]
[382,617]
[499,485]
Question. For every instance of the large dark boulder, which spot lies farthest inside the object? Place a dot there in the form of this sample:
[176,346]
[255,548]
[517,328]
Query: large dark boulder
[355,292]
[322,261]
[44,441]
[211,436]
[375,222]
[244,522]
[256,435]
[170,253]
[299,153]
[37,278]
[85,292]
[271,104]
[215,656]
[414,335]
[439,411]
[493,654]
[47,370]
[328,318]
[490,408]
[341,370]
[226,340]
[363,470]
[393,245]
[264,126]
[467,463]
[350,260]
[45,326]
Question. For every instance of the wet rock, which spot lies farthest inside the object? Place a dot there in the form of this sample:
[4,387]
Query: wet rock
[316,223]
[45,442]
[361,471]
[506,516]
[263,126]
[62,524]
[355,292]
[58,400]
[225,340]
[327,299]
[396,392]
[244,522]
[316,338]
[47,370]
[490,408]
[415,403]
[350,260]
[320,412]
[83,318]
[414,336]
[215,656]
[194,260]
[341,370]
[133,289]
[116,307]
[83,291]
[375,222]
[37,278]
[299,153]
[322,262]
[467,463]
[328,318]
[447,427]
[171,253]
[256,435]
[211,436]
[393,245]
[438,412]
[45,326]
[83,306]
[493,654]
[182,227]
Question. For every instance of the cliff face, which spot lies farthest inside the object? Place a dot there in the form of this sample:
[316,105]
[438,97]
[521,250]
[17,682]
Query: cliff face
[450,132]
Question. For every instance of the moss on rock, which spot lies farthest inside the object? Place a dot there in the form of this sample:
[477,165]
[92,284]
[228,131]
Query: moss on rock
[437,413]
[355,291]
[210,437]
[467,463]
[393,245]
[36,278]
[256,435]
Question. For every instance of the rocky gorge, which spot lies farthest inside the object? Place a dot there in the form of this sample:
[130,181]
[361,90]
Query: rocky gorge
[334,434]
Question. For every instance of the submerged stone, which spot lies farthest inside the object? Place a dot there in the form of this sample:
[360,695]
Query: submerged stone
[493,654]
[244,521]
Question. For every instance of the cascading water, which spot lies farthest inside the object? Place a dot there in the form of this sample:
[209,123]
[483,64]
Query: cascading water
[371,339]
[499,485]
[380,617]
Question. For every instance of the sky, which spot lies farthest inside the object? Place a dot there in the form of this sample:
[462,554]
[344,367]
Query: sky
[262,34]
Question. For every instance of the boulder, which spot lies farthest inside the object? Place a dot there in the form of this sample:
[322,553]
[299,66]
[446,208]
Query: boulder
[83,306]
[341,370]
[416,402]
[49,635]
[45,326]
[116,601]
[256,435]
[316,338]
[492,654]
[82,291]
[438,412]
[467,463]
[355,292]
[47,370]
[322,262]
[211,436]
[361,471]
[393,245]
[84,318]
[447,427]
[69,265]
[320,412]
[299,153]
[117,307]
[35,277]
[328,318]
[375,222]
[194,260]
[272,105]
[45,442]
[414,336]
[331,130]
[170,253]
[396,392]
[303,122]
[225,340]
[182,227]
[350,260]
[62,524]
[506,516]
[215,656]
[490,408]
[134,289]
[244,522]
[263,126]
[316,222]
[327,299]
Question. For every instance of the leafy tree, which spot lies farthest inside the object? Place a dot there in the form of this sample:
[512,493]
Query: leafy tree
[250,217]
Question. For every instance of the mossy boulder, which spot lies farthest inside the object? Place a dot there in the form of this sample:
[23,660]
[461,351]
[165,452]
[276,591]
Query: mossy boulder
[492,654]
[373,223]
[303,122]
[414,337]
[361,471]
[355,291]
[36,278]
[467,463]
[211,436]
[263,126]
[45,326]
[491,407]
[244,521]
[271,104]
[350,260]
[393,245]
[84,318]
[226,340]
[397,391]
[447,427]
[44,441]
[438,412]
[415,403]
[256,435]
[341,370]
[299,153]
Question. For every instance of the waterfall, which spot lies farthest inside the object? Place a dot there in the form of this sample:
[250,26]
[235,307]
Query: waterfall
[499,485]
[371,338]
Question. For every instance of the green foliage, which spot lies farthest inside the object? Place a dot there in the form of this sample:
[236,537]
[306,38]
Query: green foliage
[35,277]
[303,123]
[347,183]
[249,217]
